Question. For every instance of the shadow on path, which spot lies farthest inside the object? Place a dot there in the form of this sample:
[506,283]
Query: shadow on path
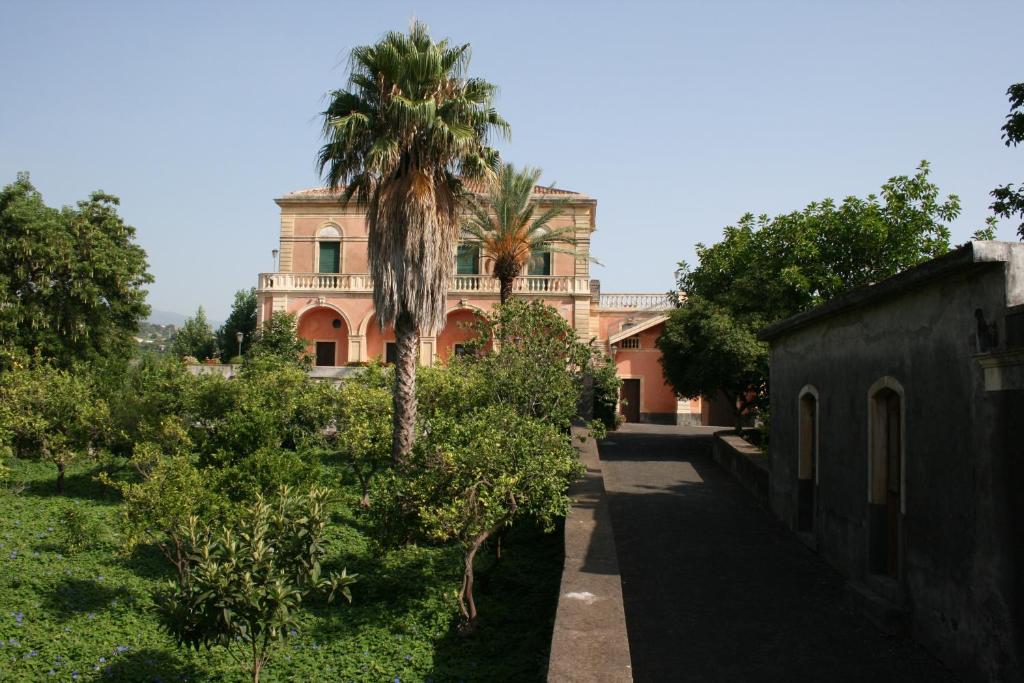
[717,590]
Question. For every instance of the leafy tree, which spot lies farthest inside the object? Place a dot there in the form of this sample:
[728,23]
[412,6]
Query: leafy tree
[472,476]
[362,421]
[245,584]
[766,269]
[705,350]
[158,508]
[71,279]
[536,365]
[1008,200]
[402,136]
[510,229]
[53,415]
[195,338]
[241,319]
[259,429]
[277,338]
[147,400]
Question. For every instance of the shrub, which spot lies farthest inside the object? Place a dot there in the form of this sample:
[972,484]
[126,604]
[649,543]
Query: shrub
[472,476]
[246,583]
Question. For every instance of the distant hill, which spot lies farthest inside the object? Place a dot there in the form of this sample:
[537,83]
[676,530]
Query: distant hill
[166,318]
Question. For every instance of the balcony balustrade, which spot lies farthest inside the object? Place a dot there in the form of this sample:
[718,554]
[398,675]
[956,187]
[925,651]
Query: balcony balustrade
[636,302]
[461,284]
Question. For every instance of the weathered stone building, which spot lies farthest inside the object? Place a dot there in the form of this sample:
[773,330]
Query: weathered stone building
[897,448]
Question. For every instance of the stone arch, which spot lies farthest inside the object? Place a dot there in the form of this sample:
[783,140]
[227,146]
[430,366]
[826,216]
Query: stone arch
[376,338]
[316,304]
[456,330]
[329,232]
[808,408]
[326,330]
[886,468]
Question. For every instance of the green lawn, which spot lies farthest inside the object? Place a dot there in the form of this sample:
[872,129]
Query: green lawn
[90,615]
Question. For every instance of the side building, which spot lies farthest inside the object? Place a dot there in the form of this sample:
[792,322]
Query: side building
[323,278]
[897,450]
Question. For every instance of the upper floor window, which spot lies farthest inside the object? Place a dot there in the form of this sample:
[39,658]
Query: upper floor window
[328,250]
[540,263]
[330,257]
[467,260]
[630,343]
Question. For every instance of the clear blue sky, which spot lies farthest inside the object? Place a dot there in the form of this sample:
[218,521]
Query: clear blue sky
[678,117]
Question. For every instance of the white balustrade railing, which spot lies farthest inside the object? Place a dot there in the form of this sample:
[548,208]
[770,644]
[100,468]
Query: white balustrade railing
[636,302]
[461,284]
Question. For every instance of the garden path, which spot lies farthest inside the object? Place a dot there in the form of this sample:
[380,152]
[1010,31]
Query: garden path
[715,589]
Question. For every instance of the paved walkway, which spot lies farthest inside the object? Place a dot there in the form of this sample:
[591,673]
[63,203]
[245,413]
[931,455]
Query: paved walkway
[715,589]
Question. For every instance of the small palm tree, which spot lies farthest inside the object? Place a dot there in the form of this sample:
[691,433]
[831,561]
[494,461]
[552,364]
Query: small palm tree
[510,229]
[402,136]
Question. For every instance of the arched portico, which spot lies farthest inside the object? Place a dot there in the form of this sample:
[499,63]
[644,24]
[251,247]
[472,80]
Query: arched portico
[459,328]
[325,329]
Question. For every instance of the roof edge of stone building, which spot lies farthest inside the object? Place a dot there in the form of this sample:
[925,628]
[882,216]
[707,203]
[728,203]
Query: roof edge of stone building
[969,255]
[541,192]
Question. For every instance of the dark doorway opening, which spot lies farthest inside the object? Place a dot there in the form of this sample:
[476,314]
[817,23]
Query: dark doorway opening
[326,353]
[629,400]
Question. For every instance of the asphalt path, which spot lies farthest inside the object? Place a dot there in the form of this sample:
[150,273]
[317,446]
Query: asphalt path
[715,589]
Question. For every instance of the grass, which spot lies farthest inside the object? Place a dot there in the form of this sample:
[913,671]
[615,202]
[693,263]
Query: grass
[89,614]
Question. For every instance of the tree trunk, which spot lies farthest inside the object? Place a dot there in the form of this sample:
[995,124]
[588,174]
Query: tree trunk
[506,289]
[404,421]
[466,603]
[60,477]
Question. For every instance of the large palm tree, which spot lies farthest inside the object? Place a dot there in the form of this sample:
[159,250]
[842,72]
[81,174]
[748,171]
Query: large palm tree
[510,228]
[400,138]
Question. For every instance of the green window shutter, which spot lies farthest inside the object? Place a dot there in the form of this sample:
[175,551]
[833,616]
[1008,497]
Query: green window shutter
[540,263]
[467,260]
[330,257]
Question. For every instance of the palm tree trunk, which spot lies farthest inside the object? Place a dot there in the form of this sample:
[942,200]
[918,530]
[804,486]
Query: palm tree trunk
[506,288]
[407,339]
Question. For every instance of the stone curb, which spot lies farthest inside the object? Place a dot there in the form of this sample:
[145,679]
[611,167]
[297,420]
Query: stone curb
[590,641]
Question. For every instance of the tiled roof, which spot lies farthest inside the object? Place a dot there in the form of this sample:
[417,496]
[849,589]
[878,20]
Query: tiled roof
[476,186]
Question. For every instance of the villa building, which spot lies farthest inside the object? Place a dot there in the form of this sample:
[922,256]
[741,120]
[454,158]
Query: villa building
[323,278]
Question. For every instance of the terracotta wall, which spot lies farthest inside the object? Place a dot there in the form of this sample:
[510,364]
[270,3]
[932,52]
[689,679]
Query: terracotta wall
[644,363]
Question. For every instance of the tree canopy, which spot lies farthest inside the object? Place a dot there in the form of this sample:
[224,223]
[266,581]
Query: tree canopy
[1009,201]
[195,338]
[71,279]
[241,319]
[769,268]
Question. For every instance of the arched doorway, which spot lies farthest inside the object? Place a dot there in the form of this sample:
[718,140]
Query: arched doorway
[326,335]
[807,476]
[887,486]
[458,329]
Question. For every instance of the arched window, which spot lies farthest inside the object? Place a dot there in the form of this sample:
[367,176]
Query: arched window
[807,471]
[886,477]
[328,250]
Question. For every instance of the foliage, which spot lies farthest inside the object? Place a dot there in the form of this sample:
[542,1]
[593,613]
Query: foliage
[473,475]
[410,126]
[71,280]
[766,269]
[988,232]
[705,348]
[535,362]
[79,530]
[362,421]
[241,319]
[277,339]
[605,391]
[147,400]
[53,415]
[245,585]
[509,229]
[1010,200]
[195,338]
[259,429]
[157,509]
[94,613]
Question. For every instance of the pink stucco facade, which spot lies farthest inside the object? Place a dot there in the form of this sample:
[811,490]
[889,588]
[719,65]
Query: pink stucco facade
[322,278]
